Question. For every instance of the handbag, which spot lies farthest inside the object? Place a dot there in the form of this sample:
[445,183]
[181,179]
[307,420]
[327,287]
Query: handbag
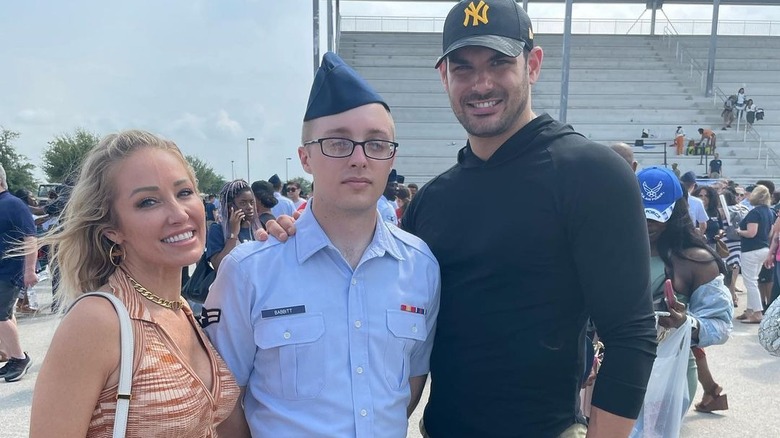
[197,287]
[125,362]
[723,250]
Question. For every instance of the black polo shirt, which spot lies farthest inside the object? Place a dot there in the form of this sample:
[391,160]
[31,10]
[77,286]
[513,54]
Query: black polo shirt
[566,239]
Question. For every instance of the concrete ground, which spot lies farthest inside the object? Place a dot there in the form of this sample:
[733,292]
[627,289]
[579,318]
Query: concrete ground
[747,373]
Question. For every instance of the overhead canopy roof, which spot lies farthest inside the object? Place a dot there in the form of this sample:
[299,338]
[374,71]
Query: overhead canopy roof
[678,2]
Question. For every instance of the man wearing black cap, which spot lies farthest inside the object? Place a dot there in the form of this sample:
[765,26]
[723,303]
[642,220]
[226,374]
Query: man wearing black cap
[518,288]
[285,205]
[330,334]
[696,208]
[386,203]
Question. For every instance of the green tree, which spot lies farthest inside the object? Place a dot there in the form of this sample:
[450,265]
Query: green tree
[66,152]
[304,183]
[18,171]
[208,180]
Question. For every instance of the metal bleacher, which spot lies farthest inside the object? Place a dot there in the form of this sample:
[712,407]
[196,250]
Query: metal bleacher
[619,85]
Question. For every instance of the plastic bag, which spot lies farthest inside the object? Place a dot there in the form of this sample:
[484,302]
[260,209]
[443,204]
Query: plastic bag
[667,398]
[769,330]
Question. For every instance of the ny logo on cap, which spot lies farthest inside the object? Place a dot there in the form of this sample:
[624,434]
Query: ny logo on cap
[477,13]
[652,193]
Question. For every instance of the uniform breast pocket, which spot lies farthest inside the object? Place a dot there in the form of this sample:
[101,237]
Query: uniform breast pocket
[290,356]
[404,329]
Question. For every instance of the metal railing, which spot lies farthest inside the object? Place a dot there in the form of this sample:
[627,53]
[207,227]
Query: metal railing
[603,26]
[684,56]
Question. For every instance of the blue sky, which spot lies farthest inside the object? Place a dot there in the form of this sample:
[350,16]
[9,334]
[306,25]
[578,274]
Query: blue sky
[204,73]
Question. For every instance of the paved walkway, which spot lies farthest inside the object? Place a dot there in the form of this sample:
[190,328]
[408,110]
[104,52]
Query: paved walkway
[748,374]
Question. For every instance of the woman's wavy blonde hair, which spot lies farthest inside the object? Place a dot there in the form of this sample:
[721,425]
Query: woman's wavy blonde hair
[80,250]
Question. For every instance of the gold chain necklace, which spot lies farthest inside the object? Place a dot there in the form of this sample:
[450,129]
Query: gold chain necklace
[174,305]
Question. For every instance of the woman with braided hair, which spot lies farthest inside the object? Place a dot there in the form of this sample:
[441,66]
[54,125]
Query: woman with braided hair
[237,224]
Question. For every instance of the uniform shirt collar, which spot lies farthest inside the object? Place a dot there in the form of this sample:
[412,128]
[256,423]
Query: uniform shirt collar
[310,238]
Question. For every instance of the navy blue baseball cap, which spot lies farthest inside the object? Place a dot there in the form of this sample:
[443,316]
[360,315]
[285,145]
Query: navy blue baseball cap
[501,25]
[660,192]
[338,88]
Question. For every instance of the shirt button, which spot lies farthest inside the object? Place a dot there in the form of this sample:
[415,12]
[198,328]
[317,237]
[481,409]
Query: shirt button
[359,370]
[354,282]
[358,324]
[363,412]
[286,335]
[414,329]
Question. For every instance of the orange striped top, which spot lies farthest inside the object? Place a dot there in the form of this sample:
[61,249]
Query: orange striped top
[168,398]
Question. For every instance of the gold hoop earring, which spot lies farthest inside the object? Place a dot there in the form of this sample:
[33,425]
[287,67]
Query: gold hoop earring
[112,255]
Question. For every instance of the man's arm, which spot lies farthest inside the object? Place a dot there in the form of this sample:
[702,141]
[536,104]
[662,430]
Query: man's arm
[30,257]
[604,424]
[613,278]
[416,385]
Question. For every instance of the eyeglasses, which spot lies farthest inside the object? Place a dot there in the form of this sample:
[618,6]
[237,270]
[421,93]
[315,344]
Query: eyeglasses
[291,189]
[336,147]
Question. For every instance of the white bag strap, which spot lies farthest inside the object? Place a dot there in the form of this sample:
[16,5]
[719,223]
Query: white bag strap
[123,395]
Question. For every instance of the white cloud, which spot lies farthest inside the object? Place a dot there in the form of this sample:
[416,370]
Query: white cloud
[225,123]
[34,116]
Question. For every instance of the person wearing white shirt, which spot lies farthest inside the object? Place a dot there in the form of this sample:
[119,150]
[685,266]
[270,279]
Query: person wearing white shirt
[695,206]
[285,206]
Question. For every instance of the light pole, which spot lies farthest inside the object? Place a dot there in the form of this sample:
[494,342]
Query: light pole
[287,169]
[248,139]
[232,170]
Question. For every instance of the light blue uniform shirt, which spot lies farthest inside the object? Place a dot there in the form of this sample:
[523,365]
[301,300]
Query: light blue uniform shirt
[324,350]
[387,210]
[284,206]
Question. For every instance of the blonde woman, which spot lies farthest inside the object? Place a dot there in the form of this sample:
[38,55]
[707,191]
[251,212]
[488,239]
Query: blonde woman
[133,221]
[754,232]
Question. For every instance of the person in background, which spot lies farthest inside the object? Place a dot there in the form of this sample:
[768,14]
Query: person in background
[679,140]
[237,221]
[386,204]
[264,201]
[412,190]
[716,166]
[696,272]
[754,230]
[707,143]
[627,153]
[403,198]
[676,170]
[285,205]
[750,113]
[696,206]
[294,194]
[133,221]
[211,211]
[736,212]
[17,272]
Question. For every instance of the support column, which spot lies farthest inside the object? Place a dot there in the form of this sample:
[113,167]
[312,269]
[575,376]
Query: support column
[652,19]
[315,7]
[566,62]
[330,26]
[709,89]
[338,27]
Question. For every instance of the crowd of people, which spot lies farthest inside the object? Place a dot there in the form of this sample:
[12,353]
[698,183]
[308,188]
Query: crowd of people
[328,313]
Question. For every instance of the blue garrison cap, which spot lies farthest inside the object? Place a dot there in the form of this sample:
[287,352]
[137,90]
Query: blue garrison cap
[338,88]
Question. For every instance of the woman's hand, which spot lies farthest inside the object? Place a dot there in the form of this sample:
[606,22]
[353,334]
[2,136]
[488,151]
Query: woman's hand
[677,317]
[769,263]
[236,217]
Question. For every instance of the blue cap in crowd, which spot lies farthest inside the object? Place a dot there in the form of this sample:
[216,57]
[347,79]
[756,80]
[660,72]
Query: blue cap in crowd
[660,191]
[338,88]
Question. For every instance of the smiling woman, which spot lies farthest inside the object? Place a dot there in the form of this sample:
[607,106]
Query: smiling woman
[133,221]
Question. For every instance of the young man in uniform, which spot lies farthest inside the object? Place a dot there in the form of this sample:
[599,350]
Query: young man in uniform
[518,288]
[330,334]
